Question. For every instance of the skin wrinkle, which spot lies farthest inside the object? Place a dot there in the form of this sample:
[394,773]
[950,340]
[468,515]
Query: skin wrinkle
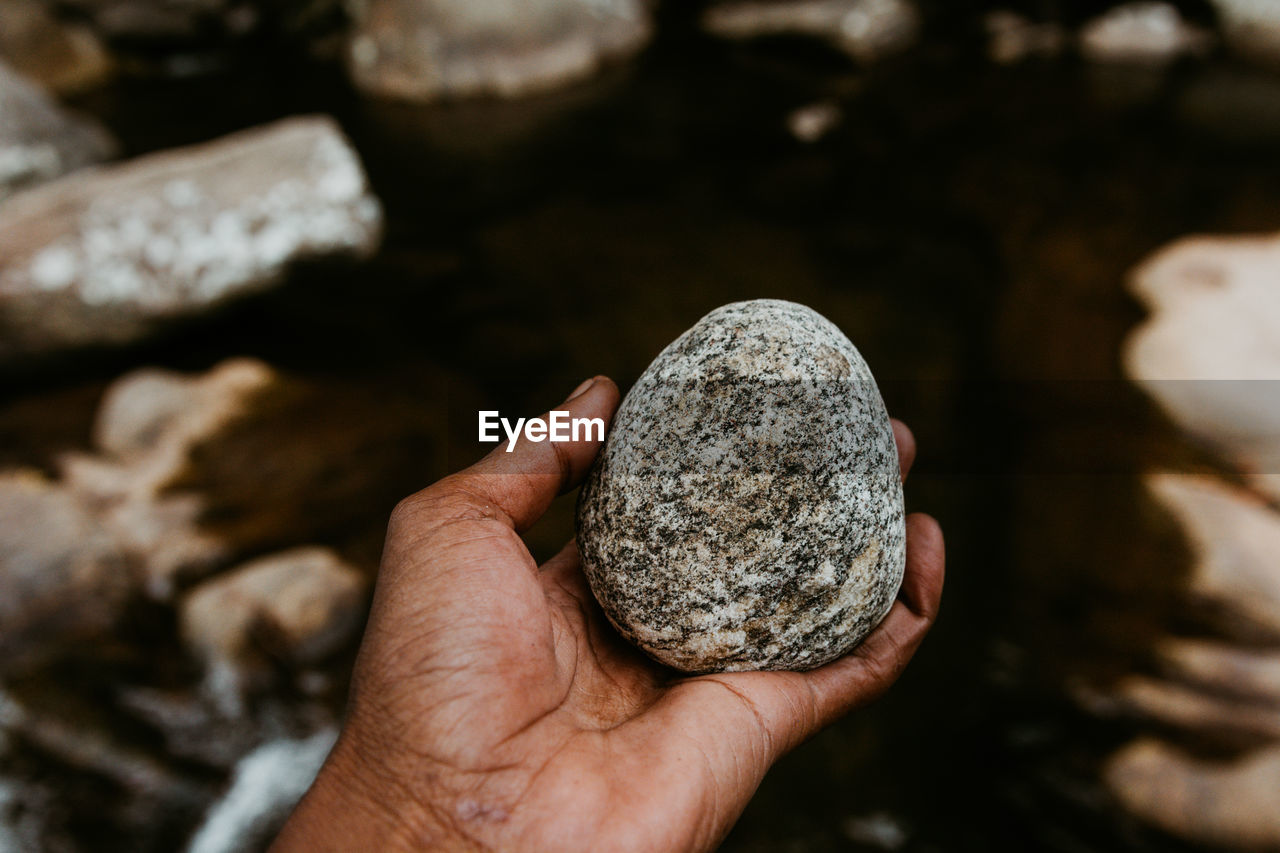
[751,708]
[480,700]
[542,769]
[613,721]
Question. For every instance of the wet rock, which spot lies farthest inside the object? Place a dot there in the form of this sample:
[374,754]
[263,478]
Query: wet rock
[746,510]
[167,20]
[267,785]
[1233,537]
[39,141]
[109,256]
[63,580]
[1251,28]
[63,57]
[1141,33]
[866,30]
[1210,353]
[431,49]
[152,428]
[299,606]
[812,122]
[1012,38]
[1226,804]
[1223,669]
[1223,721]
[197,471]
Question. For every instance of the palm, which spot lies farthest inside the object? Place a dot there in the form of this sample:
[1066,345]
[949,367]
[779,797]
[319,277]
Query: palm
[522,717]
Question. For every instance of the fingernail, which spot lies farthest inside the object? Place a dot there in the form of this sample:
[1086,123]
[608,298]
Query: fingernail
[581,389]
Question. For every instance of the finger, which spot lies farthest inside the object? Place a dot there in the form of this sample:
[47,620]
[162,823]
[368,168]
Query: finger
[782,709]
[517,482]
[906,445]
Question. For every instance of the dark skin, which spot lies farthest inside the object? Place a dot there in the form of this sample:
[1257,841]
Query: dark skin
[494,708]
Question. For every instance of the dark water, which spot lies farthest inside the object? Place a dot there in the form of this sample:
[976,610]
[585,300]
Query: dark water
[968,226]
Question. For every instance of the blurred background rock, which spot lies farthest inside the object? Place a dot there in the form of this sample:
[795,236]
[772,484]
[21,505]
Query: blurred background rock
[261,261]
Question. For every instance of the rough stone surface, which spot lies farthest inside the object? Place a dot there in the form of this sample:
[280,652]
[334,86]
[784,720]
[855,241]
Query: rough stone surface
[866,30]
[1231,805]
[62,579]
[430,49]
[63,57]
[39,141]
[746,511]
[107,256]
[1141,32]
[1210,352]
[299,606]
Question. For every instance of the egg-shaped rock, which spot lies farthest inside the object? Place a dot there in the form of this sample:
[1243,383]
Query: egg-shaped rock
[746,509]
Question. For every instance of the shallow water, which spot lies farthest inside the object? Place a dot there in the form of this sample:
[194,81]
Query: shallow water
[968,226]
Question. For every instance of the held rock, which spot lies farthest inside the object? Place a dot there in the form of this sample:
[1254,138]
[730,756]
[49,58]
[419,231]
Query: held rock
[746,511]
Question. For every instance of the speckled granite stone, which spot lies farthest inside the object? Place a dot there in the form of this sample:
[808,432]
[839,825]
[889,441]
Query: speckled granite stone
[746,511]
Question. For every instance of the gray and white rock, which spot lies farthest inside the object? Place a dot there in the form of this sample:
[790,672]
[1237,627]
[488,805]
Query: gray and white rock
[1144,32]
[866,30]
[1210,352]
[431,49]
[746,511]
[107,256]
[40,141]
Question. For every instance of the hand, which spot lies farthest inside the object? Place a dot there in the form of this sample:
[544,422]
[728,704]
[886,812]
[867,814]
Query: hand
[494,707]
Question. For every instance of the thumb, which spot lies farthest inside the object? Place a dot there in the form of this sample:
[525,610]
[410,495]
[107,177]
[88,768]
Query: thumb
[522,476]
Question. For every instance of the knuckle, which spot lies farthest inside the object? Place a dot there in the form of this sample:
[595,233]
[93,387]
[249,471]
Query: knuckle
[451,499]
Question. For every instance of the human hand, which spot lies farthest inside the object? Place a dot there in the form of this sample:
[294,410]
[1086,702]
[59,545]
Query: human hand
[493,707]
